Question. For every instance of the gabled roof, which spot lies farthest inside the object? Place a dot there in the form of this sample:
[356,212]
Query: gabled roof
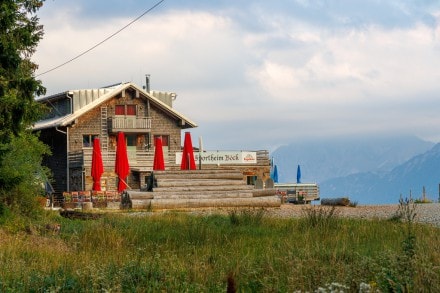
[86,100]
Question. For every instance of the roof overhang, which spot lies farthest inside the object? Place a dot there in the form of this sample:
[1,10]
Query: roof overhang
[184,122]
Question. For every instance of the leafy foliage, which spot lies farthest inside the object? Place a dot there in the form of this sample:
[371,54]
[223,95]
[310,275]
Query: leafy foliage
[19,36]
[21,173]
[20,150]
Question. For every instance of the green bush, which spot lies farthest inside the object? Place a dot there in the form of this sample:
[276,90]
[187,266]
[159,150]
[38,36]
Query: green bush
[320,217]
[246,217]
[21,175]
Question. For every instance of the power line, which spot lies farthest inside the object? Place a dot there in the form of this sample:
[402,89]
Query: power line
[103,41]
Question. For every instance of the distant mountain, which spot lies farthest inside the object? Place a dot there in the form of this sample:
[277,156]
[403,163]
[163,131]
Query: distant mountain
[321,160]
[381,188]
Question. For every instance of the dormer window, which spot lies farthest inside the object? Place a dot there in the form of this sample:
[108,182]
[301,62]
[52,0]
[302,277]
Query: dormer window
[127,110]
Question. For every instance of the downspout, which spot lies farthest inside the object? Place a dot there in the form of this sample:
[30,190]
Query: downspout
[68,95]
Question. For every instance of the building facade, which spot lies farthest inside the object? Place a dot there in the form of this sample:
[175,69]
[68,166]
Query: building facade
[76,117]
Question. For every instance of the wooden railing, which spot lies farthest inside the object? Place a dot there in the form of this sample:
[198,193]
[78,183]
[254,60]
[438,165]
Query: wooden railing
[130,124]
[263,157]
[136,159]
[139,158]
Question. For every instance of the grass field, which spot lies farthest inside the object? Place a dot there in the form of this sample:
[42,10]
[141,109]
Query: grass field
[244,251]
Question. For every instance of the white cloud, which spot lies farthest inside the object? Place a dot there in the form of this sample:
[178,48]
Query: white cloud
[322,79]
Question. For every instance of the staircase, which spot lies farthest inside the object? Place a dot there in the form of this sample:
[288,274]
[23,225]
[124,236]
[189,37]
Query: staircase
[208,188]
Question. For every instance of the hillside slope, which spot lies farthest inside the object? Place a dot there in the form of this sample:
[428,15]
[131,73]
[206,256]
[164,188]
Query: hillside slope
[380,188]
[322,160]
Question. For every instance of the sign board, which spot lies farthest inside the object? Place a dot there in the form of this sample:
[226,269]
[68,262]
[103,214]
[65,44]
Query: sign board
[222,157]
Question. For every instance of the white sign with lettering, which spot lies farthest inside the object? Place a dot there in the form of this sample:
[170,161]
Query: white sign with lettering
[222,157]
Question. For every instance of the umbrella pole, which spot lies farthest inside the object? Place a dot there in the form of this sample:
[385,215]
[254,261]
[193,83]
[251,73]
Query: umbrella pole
[200,152]
[125,182]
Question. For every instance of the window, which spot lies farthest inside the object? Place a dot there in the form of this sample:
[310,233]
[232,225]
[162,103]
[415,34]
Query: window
[88,140]
[129,110]
[165,139]
[250,180]
[131,139]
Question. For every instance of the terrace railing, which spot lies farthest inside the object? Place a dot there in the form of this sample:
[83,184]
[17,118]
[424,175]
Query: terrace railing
[129,124]
[141,158]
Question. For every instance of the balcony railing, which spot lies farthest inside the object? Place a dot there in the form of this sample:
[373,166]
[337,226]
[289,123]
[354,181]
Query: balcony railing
[141,159]
[129,124]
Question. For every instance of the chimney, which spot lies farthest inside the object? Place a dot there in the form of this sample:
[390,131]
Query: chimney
[147,83]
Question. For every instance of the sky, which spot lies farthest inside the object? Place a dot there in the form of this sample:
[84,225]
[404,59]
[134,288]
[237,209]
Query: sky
[259,74]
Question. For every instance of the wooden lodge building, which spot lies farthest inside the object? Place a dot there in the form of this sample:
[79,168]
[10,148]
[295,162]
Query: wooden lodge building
[76,117]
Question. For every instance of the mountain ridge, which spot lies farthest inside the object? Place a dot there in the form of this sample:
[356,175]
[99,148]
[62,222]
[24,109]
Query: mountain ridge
[407,179]
[323,159]
[358,167]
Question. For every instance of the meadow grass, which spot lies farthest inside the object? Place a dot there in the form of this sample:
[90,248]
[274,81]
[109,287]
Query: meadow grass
[204,253]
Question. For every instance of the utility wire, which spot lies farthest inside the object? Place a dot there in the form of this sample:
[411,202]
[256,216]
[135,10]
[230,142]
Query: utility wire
[103,41]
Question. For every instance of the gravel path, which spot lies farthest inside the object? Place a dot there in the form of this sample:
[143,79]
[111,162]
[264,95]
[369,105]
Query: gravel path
[428,213]
[425,213]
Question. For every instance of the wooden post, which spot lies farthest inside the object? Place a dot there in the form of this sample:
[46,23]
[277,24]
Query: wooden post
[200,152]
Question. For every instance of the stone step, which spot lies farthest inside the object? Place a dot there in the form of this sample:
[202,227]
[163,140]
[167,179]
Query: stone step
[203,195]
[198,171]
[198,188]
[161,204]
[195,182]
[188,176]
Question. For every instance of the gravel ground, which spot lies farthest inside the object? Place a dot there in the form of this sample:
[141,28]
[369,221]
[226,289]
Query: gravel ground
[428,213]
[425,213]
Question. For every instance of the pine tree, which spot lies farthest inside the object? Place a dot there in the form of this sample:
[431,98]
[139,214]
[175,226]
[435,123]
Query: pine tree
[20,33]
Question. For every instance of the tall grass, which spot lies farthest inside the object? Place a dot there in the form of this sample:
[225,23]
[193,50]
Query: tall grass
[244,250]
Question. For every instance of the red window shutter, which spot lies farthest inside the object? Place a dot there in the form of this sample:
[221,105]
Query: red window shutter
[165,139]
[119,110]
[131,110]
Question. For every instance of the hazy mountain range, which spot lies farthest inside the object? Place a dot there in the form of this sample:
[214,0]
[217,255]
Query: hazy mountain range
[369,170]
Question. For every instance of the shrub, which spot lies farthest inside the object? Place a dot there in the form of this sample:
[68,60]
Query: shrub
[21,173]
[252,217]
[319,216]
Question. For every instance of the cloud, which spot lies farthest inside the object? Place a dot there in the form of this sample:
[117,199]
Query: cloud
[257,73]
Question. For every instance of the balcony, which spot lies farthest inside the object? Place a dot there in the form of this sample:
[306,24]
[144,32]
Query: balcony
[129,124]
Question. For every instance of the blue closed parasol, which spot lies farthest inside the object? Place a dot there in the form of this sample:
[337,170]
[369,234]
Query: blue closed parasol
[275,174]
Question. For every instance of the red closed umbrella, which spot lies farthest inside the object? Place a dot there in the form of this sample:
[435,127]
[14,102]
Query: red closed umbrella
[159,163]
[122,167]
[188,162]
[97,166]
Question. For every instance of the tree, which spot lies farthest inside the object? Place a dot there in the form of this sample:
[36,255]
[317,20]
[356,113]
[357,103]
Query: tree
[19,36]
[20,33]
